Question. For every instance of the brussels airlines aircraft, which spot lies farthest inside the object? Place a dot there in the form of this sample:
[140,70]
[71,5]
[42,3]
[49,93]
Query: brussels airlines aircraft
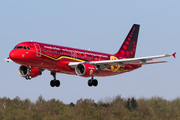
[35,57]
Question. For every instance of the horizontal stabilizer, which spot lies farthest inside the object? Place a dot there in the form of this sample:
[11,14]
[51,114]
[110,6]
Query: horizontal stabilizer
[150,63]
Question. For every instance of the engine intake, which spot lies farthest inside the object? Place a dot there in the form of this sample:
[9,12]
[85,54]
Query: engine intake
[86,70]
[34,72]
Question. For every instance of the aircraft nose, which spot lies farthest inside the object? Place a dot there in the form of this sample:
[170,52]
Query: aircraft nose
[13,55]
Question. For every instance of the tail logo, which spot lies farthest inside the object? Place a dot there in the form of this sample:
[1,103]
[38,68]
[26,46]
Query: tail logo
[128,47]
[116,67]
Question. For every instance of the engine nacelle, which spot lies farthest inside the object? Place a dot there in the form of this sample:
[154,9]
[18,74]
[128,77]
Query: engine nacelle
[86,70]
[34,72]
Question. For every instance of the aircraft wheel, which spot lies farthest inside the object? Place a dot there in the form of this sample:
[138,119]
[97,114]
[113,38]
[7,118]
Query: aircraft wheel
[95,82]
[57,83]
[52,83]
[90,82]
[28,77]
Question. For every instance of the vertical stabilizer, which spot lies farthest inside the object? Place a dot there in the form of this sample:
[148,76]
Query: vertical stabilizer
[128,47]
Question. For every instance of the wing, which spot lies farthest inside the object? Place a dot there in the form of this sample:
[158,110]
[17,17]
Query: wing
[106,63]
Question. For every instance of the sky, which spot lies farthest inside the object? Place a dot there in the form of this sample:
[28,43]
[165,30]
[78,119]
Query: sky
[99,26]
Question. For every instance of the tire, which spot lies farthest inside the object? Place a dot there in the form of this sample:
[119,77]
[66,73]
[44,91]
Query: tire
[90,83]
[95,82]
[52,83]
[57,83]
[28,77]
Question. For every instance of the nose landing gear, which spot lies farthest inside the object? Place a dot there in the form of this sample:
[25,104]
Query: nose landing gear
[92,81]
[28,76]
[54,82]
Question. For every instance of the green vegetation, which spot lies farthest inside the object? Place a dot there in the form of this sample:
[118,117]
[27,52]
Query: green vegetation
[155,108]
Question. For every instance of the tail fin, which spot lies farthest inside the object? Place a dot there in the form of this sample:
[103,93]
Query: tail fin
[128,47]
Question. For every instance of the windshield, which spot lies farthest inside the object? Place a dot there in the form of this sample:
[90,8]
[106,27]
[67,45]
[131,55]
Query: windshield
[22,47]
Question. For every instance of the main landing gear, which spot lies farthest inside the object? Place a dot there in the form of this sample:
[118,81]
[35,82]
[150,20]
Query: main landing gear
[54,82]
[28,76]
[92,81]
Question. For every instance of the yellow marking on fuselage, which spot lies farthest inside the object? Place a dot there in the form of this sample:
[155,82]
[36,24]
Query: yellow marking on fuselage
[113,68]
[116,67]
[61,57]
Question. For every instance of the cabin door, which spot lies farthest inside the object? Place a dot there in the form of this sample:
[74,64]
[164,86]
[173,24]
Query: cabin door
[38,49]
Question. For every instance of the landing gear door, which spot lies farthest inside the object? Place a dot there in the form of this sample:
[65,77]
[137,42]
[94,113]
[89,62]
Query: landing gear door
[38,49]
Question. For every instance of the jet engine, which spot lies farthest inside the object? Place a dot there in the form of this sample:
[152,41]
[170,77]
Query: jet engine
[86,70]
[34,72]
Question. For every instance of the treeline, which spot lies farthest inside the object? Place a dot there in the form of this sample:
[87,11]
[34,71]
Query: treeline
[155,108]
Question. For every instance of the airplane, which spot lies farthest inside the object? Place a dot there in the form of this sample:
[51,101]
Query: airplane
[35,57]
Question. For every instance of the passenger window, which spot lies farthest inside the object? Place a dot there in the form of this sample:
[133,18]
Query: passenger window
[19,47]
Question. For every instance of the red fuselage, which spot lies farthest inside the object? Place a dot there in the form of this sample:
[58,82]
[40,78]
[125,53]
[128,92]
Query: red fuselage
[56,58]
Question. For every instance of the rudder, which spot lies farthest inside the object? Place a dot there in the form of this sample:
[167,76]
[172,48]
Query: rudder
[128,47]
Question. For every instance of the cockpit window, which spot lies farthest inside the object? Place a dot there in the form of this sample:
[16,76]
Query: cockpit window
[28,48]
[19,47]
[24,47]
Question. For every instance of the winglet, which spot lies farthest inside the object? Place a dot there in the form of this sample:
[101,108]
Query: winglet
[8,59]
[174,55]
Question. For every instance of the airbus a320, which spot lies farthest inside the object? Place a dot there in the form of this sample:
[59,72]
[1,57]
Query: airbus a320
[35,57]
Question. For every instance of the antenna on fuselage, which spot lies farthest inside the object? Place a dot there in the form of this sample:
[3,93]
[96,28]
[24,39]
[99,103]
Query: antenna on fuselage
[31,40]
[89,49]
